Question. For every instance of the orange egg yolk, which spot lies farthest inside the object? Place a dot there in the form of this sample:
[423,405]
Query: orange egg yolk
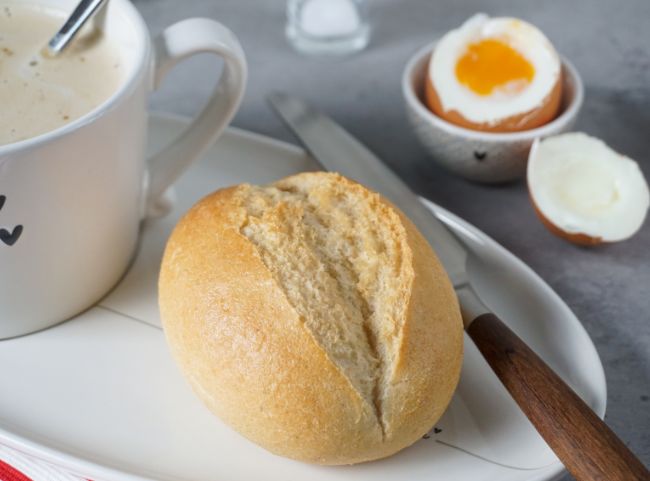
[491,64]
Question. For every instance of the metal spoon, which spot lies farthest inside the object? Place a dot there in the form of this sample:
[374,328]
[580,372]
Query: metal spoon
[84,11]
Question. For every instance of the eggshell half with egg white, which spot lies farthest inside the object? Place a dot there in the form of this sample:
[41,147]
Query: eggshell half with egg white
[494,75]
[584,191]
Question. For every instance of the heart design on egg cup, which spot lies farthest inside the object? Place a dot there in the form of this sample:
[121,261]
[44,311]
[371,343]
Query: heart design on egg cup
[480,156]
[10,238]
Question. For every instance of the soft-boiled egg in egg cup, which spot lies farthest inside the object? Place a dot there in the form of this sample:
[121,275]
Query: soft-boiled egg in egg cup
[496,75]
[478,121]
[584,191]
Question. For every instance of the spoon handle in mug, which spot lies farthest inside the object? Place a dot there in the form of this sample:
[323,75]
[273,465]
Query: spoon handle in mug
[587,447]
[80,15]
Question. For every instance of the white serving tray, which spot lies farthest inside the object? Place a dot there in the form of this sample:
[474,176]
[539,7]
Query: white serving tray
[100,395]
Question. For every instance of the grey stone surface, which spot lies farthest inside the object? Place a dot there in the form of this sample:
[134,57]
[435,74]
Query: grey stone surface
[609,42]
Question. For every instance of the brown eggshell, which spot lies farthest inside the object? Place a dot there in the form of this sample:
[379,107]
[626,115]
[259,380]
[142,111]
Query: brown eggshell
[576,238]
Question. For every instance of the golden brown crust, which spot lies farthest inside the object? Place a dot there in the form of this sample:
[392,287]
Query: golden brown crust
[432,345]
[547,111]
[249,357]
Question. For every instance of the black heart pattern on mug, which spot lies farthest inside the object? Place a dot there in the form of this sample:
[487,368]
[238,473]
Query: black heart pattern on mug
[10,238]
[2,200]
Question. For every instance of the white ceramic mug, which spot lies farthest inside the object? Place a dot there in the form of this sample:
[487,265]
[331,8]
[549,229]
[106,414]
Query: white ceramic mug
[71,200]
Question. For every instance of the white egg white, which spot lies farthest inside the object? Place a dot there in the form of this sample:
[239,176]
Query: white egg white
[582,186]
[526,39]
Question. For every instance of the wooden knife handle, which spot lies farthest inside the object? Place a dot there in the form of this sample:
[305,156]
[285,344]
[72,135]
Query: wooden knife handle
[586,446]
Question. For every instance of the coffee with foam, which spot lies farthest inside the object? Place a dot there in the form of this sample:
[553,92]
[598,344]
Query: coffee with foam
[40,94]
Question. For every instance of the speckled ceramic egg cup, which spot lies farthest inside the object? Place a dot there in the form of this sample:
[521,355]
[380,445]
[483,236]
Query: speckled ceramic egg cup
[482,156]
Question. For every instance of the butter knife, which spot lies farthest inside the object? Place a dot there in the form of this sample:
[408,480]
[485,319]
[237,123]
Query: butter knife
[587,447]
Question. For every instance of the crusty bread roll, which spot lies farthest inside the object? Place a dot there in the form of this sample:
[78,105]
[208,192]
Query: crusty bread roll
[312,317]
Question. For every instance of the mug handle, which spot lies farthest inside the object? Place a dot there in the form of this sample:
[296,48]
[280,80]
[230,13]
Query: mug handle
[176,43]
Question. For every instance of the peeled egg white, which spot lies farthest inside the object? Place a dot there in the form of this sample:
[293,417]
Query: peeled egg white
[585,191]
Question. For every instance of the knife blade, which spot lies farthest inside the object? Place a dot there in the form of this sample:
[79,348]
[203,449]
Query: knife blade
[582,441]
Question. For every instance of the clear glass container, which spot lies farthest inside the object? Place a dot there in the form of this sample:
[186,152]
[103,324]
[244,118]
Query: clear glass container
[328,27]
